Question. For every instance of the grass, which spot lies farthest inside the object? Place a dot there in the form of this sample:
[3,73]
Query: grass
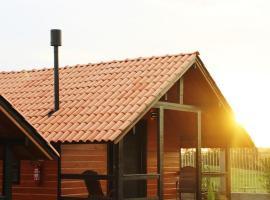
[241,180]
[248,181]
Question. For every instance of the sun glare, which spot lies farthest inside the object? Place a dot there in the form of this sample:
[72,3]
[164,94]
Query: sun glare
[255,121]
[250,103]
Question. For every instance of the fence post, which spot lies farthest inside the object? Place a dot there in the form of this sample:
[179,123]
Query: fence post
[223,169]
[228,172]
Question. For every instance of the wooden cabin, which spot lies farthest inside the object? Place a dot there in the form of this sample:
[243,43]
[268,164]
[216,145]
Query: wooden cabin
[119,129]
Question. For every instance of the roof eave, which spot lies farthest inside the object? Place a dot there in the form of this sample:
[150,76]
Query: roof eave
[49,151]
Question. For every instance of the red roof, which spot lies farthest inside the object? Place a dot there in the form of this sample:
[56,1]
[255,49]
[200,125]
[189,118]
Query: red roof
[98,102]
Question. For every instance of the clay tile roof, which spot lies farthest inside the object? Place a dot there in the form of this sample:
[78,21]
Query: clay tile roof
[98,102]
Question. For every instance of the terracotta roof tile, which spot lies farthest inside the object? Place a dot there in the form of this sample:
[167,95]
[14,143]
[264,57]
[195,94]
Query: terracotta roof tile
[98,102]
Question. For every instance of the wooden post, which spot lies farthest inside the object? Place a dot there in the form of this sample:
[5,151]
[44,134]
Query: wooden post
[115,171]
[160,151]
[198,159]
[228,173]
[120,170]
[59,172]
[110,167]
[222,164]
[7,184]
[181,90]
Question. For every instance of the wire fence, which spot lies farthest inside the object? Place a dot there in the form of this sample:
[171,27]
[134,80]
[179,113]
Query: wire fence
[250,168]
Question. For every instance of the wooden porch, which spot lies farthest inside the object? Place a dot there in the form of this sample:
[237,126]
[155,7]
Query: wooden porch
[158,121]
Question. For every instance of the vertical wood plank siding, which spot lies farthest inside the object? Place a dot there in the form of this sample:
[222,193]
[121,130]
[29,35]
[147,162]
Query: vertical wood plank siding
[76,158]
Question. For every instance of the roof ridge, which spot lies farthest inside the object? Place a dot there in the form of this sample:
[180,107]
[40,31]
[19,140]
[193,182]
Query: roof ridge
[98,63]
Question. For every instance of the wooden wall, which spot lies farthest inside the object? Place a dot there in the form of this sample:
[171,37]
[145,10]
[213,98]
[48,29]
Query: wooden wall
[27,188]
[76,158]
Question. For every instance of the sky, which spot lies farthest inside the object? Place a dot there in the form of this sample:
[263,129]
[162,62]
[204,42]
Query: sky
[232,37]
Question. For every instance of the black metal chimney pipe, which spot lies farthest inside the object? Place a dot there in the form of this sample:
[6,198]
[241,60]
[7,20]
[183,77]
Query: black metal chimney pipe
[56,42]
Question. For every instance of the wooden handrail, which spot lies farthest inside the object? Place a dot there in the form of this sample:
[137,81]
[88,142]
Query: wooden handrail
[215,174]
[83,176]
[140,176]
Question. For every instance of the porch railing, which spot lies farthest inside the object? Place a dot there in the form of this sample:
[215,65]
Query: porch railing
[248,167]
[83,177]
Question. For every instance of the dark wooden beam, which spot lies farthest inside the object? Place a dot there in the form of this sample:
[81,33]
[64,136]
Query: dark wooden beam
[129,177]
[120,180]
[7,169]
[176,106]
[115,172]
[181,90]
[110,165]
[160,151]
[59,172]
[83,176]
[198,159]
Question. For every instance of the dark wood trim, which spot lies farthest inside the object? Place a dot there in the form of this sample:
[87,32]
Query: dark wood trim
[7,173]
[110,166]
[59,172]
[228,171]
[83,176]
[27,129]
[160,151]
[198,159]
[128,177]
[176,106]
[115,172]
[211,82]
[181,90]
[120,181]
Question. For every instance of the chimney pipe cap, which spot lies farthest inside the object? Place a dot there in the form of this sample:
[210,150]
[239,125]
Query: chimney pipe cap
[56,37]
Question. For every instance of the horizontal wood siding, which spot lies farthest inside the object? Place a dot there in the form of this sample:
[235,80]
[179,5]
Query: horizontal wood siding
[28,189]
[77,158]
